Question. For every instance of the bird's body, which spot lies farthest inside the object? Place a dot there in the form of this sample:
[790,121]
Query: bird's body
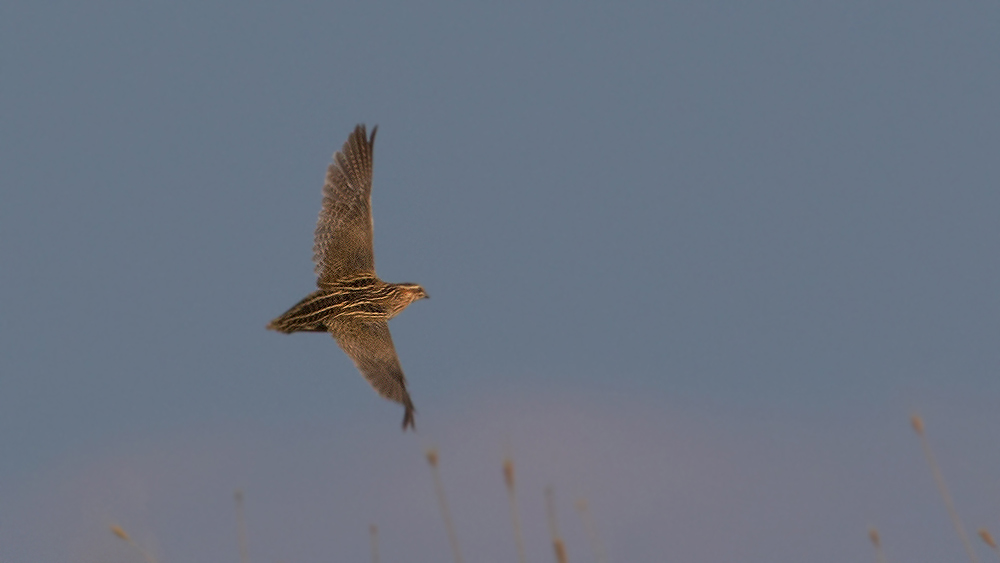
[364,298]
[352,303]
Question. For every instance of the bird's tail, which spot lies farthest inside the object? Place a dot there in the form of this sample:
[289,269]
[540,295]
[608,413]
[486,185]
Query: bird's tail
[408,416]
[302,317]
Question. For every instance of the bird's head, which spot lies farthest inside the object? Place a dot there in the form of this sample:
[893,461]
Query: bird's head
[402,295]
[413,291]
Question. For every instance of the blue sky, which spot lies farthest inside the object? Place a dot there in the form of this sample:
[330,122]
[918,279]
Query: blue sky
[695,262]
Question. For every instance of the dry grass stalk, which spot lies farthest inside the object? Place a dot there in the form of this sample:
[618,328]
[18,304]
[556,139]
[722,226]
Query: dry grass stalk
[373,530]
[432,459]
[988,540]
[118,531]
[508,479]
[877,543]
[241,528]
[560,548]
[588,525]
[550,509]
[918,427]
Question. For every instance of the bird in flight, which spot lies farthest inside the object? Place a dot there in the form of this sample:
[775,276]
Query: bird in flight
[352,303]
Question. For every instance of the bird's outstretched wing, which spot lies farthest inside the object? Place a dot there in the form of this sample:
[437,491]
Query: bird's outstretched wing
[343,245]
[369,344]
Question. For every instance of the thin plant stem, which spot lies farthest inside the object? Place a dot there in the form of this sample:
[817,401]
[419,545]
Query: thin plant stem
[241,528]
[918,426]
[588,525]
[118,531]
[373,530]
[988,540]
[557,542]
[432,459]
[508,478]
[877,544]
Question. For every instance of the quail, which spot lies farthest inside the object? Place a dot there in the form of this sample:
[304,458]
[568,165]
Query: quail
[351,302]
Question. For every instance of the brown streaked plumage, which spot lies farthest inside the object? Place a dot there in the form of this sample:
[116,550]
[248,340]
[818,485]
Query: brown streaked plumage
[352,303]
